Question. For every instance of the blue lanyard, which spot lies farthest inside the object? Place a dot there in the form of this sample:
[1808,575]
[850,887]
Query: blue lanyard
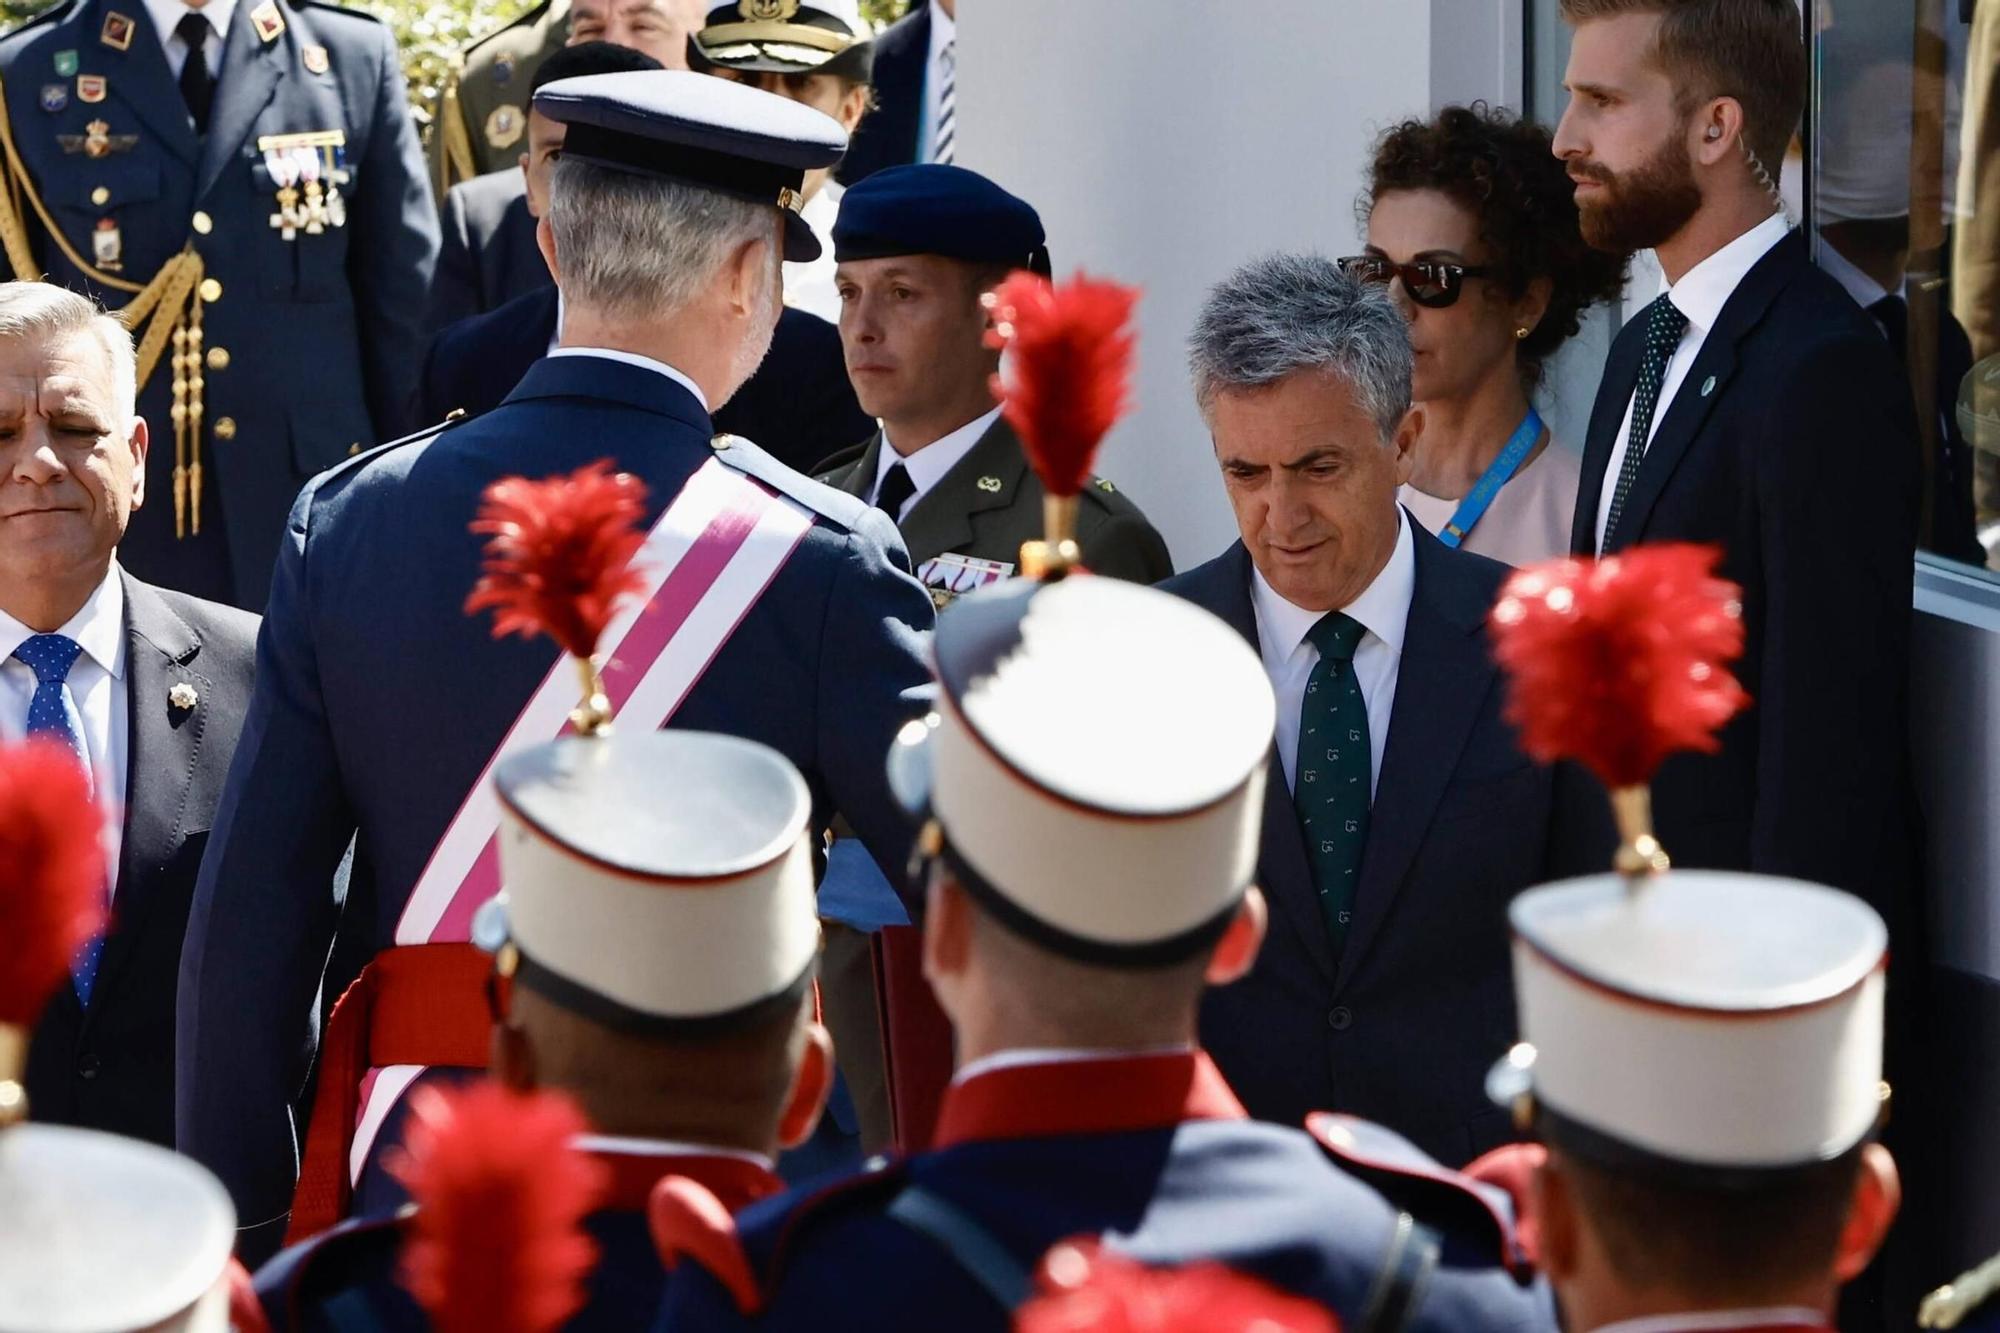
[1498,473]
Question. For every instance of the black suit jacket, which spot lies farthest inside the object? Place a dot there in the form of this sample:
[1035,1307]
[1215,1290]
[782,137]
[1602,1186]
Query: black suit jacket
[887,136]
[799,406]
[1791,446]
[1402,1027]
[489,255]
[111,1067]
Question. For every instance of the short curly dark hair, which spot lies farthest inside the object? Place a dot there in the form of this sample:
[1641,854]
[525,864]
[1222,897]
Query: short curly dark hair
[1503,169]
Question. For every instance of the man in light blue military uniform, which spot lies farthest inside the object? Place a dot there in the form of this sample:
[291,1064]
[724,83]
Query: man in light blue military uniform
[379,703]
[251,165]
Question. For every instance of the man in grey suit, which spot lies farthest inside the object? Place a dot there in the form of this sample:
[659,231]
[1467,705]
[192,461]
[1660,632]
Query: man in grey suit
[147,687]
[917,247]
[1400,814]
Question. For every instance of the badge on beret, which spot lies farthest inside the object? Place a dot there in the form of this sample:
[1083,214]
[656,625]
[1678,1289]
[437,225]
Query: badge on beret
[116,32]
[268,22]
[66,64]
[768,11]
[55,96]
[182,698]
[503,68]
[90,87]
[505,126]
[314,59]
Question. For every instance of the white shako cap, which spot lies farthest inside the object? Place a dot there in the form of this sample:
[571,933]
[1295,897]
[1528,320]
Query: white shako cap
[1095,765]
[659,880]
[103,1234]
[1703,1019]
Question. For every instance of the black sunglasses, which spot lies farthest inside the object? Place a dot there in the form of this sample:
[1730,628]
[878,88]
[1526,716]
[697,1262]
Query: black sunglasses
[1431,283]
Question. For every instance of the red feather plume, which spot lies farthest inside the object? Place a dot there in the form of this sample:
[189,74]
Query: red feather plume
[51,872]
[1085,1289]
[1071,349]
[1618,663]
[497,1242]
[559,554]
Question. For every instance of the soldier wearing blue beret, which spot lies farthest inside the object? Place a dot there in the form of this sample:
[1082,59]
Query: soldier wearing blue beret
[243,178]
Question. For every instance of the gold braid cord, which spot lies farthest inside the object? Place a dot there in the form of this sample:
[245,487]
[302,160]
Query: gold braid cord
[168,308]
[457,163]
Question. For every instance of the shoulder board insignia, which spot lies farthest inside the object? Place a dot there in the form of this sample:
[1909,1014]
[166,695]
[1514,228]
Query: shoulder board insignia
[314,58]
[116,32]
[1400,1169]
[268,22]
[687,1221]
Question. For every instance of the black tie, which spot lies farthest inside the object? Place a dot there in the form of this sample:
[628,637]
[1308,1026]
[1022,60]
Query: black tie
[895,491]
[1894,317]
[197,86]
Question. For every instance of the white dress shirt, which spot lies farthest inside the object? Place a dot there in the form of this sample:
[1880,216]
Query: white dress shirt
[944,29]
[167,17]
[928,465]
[1786,1316]
[1700,295]
[1383,608]
[643,362]
[96,683]
[809,285]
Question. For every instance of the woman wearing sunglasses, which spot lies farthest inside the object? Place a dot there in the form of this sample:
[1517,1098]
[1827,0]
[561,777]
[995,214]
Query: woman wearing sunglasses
[1472,224]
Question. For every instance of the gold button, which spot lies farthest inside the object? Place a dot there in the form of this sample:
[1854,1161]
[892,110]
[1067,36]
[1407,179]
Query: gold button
[218,358]
[353,449]
[211,291]
[100,196]
[225,428]
[203,223]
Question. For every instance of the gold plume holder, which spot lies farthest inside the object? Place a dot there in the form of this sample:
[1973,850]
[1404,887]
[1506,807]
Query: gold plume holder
[1639,852]
[13,1064]
[1057,553]
[1948,1306]
[592,715]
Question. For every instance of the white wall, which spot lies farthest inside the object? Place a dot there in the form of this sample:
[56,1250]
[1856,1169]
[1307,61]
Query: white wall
[1167,141]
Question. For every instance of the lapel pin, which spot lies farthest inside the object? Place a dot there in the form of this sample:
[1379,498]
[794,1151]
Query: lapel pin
[91,88]
[314,59]
[1708,386]
[268,22]
[66,63]
[182,697]
[991,485]
[55,96]
[116,32]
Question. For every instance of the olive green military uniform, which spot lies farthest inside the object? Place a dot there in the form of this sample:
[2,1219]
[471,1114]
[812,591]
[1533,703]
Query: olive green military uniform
[480,120]
[969,528]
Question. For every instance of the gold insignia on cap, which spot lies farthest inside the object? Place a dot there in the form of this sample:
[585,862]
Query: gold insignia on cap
[505,126]
[790,200]
[268,22]
[991,485]
[182,697]
[768,11]
[314,59]
[116,32]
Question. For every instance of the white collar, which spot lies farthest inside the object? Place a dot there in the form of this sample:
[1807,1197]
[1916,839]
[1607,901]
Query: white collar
[928,465]
[943,28]
[1772,1317]
[1025,1056]
[1704,289]
[98,626]
[167,15]
[1383,608]
[621,1146]
[635,359]
[1864,289]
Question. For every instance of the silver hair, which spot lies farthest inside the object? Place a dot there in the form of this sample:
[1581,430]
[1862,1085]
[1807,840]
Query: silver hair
[1283,314]
[42,310]
[633,246]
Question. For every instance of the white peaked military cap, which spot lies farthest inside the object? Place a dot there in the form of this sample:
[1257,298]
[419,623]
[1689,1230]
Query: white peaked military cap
[103,1234]
[787,37]
[1722,1022]
[657,882]
[699,130]
[1094,772]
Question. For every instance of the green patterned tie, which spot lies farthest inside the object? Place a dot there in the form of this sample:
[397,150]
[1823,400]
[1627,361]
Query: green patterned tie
[1330,782]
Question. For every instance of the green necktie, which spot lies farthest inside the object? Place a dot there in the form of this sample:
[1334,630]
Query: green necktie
[1330,782]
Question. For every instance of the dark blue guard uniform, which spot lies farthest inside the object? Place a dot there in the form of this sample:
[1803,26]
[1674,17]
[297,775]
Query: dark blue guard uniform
[379,702]
[308,338]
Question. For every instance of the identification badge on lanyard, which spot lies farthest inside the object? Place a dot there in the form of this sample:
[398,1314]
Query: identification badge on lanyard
[1498,473]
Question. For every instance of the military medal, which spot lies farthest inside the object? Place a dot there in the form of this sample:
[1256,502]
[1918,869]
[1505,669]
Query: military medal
[268,22]
[505,126]
[308,170]
[285,172]
[949,577]
[314,59]
[55,96]
[91,88]
[66,64]
[108,245]
[116,32]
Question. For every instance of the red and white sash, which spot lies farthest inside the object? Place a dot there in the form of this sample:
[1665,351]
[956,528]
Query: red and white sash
[706,562]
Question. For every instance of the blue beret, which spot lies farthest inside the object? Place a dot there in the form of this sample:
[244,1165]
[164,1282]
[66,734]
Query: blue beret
[933,209]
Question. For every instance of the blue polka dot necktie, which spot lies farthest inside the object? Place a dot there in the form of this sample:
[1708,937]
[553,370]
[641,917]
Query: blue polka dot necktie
[52,713]
[1330,781]
[1664,326]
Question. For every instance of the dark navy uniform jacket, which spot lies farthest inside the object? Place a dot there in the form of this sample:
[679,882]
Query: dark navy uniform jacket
[346,1278]
[1154,1155]
[379,701]
[312,344]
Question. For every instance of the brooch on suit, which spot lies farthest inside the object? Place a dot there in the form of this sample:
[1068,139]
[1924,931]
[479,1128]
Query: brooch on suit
[308,170]
[182,698]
